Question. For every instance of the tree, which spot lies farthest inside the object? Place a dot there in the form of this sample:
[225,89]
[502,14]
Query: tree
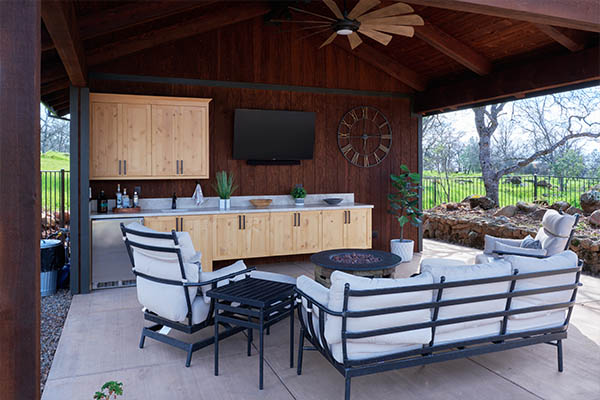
[54,133]
[552,122]
[468,159]
[593,164]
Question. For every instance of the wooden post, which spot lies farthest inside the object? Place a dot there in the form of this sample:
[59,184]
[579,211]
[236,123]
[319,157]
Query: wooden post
[20,210]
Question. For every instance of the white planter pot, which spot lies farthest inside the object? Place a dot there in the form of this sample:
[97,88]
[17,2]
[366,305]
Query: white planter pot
[299,202]
[224,204]
[403,248]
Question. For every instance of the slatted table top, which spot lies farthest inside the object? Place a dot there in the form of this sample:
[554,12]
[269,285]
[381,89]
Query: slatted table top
[253,292]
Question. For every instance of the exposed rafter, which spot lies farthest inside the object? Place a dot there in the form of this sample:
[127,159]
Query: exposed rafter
[454,48]
[60,21]
[572,40]
[516,81]
[54,86]
[213,19]
[575,14]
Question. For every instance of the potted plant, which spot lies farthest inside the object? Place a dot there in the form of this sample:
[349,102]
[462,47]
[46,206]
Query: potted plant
[114,389]
[404,203]
[224,188]
[298,193]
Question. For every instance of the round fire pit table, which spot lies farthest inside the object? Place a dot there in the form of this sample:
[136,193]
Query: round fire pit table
[359,262]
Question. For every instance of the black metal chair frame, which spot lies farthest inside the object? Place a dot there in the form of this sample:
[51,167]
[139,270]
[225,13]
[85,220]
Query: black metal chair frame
[431,353]
[512,253]
[160,322]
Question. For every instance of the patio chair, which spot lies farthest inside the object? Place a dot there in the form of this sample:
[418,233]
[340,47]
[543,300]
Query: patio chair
[168,275]
[552,238]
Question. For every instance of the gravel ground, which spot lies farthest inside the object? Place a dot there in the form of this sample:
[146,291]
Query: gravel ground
[54,311]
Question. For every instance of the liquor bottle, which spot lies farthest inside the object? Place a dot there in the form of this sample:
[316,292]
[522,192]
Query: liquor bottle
[136,199]
[103,202]
[99,201]
[125,199]
[119,197]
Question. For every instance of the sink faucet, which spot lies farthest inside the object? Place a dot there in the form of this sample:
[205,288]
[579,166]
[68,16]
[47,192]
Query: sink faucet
[174,201]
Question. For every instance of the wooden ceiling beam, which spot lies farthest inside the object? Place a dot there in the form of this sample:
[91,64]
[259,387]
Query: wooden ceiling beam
[214,18]
[574,14]
[60,21]
[453,48]
[54,86]
[537,76]
[384,63]
[572,40]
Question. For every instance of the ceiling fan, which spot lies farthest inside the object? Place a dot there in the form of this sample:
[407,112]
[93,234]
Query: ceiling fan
[395,19]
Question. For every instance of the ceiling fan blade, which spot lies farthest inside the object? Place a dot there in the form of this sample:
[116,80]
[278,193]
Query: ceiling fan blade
[396,9]
[412,19]
[334,8]
[316,33]
[382,38]
[408,31]
[329,39]
[289,21]
[311,13]
[354,40]
[362,7]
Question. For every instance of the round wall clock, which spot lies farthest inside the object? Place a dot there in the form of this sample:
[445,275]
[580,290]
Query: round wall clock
[364,136]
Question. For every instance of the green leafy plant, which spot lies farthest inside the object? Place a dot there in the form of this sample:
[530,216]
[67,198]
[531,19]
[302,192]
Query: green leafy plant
[225,186]
[114,389]
[404,201]
[298,192]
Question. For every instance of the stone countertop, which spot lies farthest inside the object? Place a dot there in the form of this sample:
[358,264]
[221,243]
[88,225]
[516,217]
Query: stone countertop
[233,210]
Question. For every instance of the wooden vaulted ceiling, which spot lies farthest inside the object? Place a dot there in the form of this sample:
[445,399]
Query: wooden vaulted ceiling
[468,51]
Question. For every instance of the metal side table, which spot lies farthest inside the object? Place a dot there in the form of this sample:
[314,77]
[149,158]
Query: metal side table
[258,305]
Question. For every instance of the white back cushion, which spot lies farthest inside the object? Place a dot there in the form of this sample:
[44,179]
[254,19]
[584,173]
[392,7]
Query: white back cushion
[207,276]
[566,259]
[521,250]
[333,325]
[555,231]
[318,293]
[184,239]
[464,273]
[490,243]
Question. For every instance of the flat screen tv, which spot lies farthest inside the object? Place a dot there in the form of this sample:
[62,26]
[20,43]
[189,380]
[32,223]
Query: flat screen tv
[272,135]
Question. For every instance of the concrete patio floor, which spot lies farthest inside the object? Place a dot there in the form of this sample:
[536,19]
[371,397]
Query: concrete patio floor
[101,333]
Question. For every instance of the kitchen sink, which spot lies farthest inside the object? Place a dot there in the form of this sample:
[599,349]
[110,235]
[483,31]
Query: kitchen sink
[178,210]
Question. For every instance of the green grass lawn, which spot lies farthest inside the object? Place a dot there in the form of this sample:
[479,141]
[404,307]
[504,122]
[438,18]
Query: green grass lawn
[54,161]
[50,164]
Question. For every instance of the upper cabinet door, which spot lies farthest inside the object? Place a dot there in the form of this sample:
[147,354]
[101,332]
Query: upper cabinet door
[105,155]
[164,128]
[137,140]
[192,142]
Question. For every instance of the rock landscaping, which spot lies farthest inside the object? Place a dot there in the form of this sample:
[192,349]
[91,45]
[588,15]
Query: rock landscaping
[53,313]
[466,225]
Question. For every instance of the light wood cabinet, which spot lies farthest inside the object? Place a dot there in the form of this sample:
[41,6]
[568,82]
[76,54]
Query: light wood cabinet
[200,228]
[145,137]
[241,235]
[226,234]
[347,229]
[282,233]
[295,232]
[160,224]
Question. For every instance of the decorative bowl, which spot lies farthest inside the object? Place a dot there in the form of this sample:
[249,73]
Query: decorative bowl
[332,201]
[261,203]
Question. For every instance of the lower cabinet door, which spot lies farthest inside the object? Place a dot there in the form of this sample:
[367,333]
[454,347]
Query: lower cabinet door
[358,228]
[160,224]
[255,235]
[308,232]
[227,233]
[200,228]
[334,226]
[282,231]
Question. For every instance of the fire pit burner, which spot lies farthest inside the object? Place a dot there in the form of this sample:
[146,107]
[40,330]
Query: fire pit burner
[355,258]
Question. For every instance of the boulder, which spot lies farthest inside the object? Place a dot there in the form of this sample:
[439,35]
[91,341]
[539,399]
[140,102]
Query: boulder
[594,219]
[590,201]
[515,180]
[468,198]
[538,214]
[507,211]
[452,206]
[574,210]
[483,202]
[560,206]
[543,183]
[526,207]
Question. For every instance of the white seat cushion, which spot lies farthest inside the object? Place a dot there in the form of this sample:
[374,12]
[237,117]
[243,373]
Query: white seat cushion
[520,250]
[333,325]
[200,310]
[440,262]
[469,272]
[360,351]
[566,259]
[208,276]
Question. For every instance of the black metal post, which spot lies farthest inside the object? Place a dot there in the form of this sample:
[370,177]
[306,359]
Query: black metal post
[300,350]
[535,187]
[560,355]
[62,198]
[261,352]
[292,334]
[216,342]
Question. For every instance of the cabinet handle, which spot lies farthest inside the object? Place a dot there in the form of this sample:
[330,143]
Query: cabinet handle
[244,221]
[119,167]
[298,219]
[181,167]
[124,167]
[176,224]
[349,218]
[181,224]
[239,222]
[177,167]
[294,219]
[345,217]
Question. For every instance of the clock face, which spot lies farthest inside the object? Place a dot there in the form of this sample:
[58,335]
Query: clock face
[364,136]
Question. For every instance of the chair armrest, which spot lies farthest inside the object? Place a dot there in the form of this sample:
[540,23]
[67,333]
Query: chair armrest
[315,293]
[221,278]
[514,253]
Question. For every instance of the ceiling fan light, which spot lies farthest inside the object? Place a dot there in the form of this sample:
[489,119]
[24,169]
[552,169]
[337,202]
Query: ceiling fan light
[344,32]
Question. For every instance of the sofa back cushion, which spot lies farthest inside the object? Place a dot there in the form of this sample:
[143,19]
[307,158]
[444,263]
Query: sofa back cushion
[333,325]
[465,273]
[564,260]
[555,231]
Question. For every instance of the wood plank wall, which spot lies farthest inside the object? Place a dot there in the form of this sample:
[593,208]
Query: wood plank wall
[280,60]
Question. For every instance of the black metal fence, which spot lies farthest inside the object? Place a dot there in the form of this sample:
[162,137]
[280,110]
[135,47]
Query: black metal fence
[512,188]
[55,200]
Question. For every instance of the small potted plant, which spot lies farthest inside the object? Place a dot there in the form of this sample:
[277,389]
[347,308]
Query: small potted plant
[224,188]
[114,389]
[298,193]
[404,204]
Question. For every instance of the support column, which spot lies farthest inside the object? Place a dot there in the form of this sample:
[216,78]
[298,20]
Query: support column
[20,212]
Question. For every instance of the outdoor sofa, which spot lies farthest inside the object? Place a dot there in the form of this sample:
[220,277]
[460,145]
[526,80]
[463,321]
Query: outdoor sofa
[364,326]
